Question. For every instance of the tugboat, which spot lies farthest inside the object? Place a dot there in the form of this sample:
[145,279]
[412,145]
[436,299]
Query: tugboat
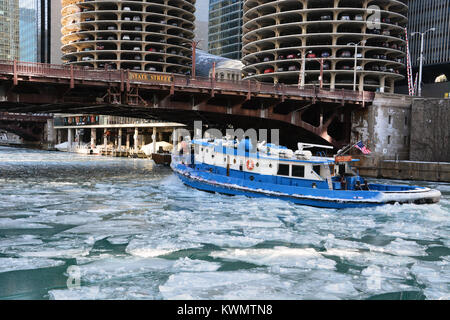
[236,168]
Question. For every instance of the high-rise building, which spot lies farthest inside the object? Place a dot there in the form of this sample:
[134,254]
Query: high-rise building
[424,15]
[9,29]
[55,32]
[24,30]
[225,28]
[285,42]
[29,34]
[201,23]
[135,35]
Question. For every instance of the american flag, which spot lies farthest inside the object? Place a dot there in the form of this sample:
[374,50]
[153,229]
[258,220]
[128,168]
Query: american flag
[360,145]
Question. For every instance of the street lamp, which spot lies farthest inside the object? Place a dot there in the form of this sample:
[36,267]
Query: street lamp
[422,34]
[362,43]
[301,75]
[301,78]
[321,61]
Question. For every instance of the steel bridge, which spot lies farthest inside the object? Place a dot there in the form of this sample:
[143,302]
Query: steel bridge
[30,127]
[36,87]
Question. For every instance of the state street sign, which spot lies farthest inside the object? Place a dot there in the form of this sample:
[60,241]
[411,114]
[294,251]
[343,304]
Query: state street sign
[150,77]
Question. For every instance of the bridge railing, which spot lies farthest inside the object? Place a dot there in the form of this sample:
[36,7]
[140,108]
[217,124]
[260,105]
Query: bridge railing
[270,88]
[58,71]
[247,86]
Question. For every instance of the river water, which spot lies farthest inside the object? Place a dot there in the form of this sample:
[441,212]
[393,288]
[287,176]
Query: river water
[87,227]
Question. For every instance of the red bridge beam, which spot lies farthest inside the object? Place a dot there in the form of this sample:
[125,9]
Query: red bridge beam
[50,73]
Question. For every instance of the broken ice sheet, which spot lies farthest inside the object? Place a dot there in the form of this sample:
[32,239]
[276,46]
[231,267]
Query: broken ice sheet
[14,264]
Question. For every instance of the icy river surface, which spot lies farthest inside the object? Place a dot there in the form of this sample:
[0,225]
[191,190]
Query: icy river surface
[87,227]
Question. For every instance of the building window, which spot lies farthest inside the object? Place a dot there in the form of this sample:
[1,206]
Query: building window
[298,171]
[283,170]
[389,139]
[390,119]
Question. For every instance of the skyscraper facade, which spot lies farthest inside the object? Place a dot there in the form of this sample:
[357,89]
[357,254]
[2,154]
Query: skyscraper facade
[29,22]
[24,30]
[9,29]
[225,28]
[424,15]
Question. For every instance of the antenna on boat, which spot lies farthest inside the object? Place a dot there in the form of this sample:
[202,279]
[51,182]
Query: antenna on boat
[302,146]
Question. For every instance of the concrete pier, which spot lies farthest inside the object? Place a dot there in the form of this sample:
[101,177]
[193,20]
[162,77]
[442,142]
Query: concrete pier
[70,139]
[93,138]
[409,138]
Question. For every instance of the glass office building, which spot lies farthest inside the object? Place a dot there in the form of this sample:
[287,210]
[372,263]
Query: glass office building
[9,30]
[34,37]
[426,14]
[29,32]
[225,28]
[24,30]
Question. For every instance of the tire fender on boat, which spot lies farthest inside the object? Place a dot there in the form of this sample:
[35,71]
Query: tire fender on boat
[250,164]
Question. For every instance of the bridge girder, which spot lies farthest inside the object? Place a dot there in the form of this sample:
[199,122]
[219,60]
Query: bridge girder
[153,103]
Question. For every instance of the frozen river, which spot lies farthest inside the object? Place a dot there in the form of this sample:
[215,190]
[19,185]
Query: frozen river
[81,227]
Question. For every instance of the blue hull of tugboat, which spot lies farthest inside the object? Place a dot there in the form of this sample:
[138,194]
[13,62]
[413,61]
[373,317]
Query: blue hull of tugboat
[323,198]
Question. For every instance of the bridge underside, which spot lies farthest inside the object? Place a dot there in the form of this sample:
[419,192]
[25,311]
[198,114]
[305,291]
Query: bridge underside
[30,128]
[307,120]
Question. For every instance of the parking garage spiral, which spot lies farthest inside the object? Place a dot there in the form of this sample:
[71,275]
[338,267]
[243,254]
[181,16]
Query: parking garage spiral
[295,41]
[152,35]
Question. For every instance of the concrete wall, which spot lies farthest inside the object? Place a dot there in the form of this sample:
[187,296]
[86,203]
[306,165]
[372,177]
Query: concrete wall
[396,128]
[404,170]
[384,126]
[55,32]
[430,132]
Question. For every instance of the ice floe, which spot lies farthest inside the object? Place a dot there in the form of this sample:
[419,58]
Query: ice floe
[14,264]
[7,223]
[435,276]
[188,265]
[279,256]
[225,285]
[157,244]
[56,248]
[120,267]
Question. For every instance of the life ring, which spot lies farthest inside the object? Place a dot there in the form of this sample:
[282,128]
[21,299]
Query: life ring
[250,164]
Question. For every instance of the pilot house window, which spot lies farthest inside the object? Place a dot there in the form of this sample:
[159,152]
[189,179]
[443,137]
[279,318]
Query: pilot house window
[283,170]
[298,171]
[316,169]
